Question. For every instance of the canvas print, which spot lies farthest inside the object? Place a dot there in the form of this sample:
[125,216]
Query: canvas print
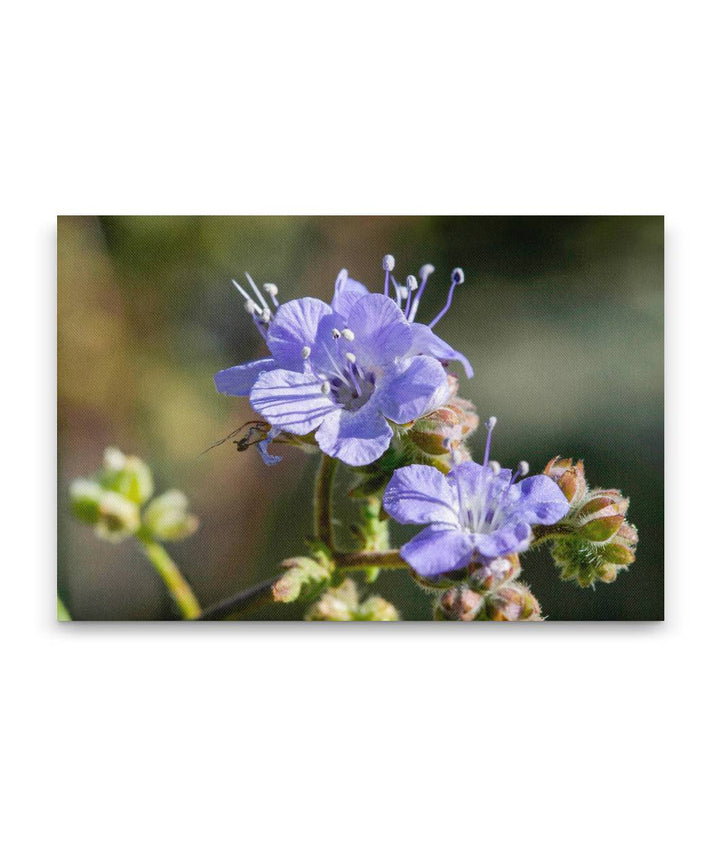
[372,419]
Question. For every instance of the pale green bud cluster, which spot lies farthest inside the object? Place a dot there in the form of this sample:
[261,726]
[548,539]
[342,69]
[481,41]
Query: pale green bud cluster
[112,502]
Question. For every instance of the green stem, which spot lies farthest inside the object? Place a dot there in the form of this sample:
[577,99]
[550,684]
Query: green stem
[375,533]
[360,560]
[62,613]
[176,583]
[323,501]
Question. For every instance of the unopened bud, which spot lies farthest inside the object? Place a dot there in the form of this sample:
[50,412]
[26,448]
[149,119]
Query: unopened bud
[570,478]
[458,604]
[514,602]
[495,574]
[127,475]
[167,517]
[118,517]
[600,515]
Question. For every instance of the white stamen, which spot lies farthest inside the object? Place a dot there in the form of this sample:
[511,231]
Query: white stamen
[271,289]
[523,468]
[305,352]
[388,262]
[426,271]
[252,307]
[494,466]
[335,333]
[458,276]
[402,292]
[325,387]
[266,315]
[412,283]
[261,299]
[348,334]
[350,357]
[491,423]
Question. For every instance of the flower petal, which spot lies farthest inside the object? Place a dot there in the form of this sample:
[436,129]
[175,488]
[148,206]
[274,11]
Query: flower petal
[239,380]
[438,549]
[537,499]
[426,342]
[513,537]
[294,327]
[417,388]
[382,333]
[357,438]
[291,400]
[420,494]
[347,293]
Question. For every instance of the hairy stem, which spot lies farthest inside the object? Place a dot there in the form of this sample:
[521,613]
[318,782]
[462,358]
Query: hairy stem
[175,582]
[323,501]
[374,531]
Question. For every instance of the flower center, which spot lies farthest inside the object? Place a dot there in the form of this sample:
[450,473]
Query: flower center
[347,383]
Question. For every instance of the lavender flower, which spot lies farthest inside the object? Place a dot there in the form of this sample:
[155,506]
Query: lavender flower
[475,513]
[346,370]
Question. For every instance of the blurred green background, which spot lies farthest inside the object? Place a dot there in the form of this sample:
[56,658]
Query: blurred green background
[562,318]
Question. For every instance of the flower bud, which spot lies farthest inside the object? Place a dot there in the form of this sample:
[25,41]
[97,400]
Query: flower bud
[504,569]
[126,475]
[458,604]
[600,515]
[514,602]
[585,562]
[301,574]
[167,517]
[85,496]
[570,477]
[376,608]
[118,517]
[337,604]
[445,429]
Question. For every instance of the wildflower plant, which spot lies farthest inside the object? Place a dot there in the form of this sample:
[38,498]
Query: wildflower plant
[361,382]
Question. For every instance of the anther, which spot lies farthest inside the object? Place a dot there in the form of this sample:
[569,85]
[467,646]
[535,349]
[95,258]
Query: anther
[271,289]
[325,387]
[305,352]
[458,276]
[251,307]
[266,315]
[336,333]
[491,423]
[351,358]
[494,466]
[388,262]
[426,271]
[412,283]
[348,334]
[402,292]
[523,468]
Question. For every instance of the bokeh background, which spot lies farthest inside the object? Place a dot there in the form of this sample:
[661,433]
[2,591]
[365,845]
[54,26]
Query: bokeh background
[562,318]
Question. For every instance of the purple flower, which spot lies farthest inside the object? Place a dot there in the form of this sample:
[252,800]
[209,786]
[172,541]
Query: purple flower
[474,514]
[347,371]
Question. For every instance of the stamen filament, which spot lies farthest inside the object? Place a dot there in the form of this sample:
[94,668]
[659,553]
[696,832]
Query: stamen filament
[259,293]
[458,277]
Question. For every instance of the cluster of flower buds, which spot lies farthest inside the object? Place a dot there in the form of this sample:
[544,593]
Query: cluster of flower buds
[343,604]
[112,502]
[438,438]
[487,593]
[596,540]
